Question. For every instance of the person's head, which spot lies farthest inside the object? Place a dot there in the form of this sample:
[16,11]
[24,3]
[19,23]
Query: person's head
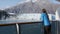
[44,10]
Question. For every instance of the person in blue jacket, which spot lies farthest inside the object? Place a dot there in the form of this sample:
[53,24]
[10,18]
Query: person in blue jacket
[46,22]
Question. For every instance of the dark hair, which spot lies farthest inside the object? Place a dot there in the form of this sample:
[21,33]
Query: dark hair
[44,10]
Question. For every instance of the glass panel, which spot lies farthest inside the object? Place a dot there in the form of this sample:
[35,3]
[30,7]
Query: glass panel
[10,29]
[32,28]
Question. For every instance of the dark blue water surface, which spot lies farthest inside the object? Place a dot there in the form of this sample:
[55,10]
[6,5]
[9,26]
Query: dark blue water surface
[36,28]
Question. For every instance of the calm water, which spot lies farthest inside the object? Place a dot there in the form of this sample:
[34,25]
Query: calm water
[36,28]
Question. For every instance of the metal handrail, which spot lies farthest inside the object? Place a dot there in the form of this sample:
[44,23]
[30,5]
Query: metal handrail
[17,25]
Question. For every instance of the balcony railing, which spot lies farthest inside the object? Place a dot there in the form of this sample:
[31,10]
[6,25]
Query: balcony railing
[28,27]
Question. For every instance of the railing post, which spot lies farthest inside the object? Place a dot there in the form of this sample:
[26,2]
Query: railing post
[57,26]
[17,27]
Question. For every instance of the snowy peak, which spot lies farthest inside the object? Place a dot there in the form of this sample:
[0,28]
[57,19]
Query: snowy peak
[27,1]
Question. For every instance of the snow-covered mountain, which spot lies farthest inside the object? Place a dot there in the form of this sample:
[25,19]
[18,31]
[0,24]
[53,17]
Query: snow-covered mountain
[34,7]
[30,8]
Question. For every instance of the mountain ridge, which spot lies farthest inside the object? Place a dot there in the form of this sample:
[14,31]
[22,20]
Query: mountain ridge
[33,7]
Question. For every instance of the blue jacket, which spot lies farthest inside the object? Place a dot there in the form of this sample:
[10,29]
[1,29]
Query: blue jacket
[45,19]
